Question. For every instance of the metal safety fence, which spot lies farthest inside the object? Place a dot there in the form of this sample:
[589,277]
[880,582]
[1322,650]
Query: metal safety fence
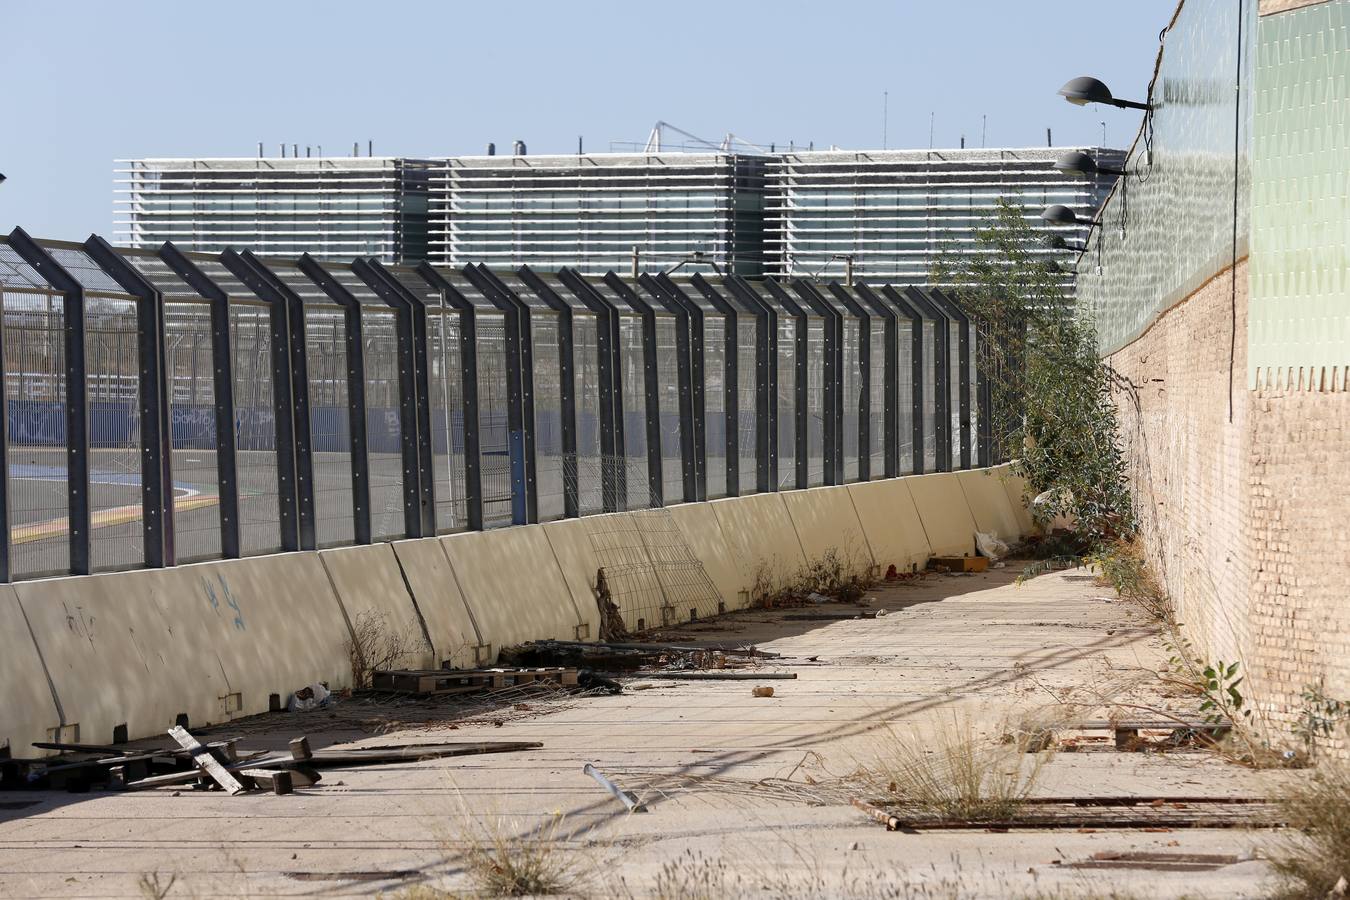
[166,406]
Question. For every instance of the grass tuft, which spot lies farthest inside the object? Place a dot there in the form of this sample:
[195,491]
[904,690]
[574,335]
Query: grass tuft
[1317,863]
[500,863]
[951,773]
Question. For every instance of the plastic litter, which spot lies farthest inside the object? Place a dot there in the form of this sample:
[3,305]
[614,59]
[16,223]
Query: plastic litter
[990,546]
[316,696]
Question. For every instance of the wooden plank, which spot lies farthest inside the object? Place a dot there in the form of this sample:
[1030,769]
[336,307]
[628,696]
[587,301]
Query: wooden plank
[206,760]
[278,779]
[300,748]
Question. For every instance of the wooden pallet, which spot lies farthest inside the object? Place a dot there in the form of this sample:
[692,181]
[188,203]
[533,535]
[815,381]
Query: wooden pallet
[463,681]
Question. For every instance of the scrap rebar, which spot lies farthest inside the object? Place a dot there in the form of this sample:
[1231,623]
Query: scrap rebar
[625,797]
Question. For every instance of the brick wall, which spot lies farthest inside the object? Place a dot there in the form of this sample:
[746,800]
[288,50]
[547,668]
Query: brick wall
[1244,517]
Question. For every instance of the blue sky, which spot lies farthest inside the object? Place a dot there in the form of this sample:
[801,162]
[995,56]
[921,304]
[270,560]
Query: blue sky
[89,82]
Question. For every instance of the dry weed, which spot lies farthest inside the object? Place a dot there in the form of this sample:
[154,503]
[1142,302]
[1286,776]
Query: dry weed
[950,772]
[375,644]
[1317,863]
[502,863]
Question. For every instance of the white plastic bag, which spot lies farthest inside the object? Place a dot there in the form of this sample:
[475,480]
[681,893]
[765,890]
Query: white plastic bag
[990,546]
[315,696]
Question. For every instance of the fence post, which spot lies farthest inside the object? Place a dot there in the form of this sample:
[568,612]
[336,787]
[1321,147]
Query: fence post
[731,377]
[942,371]
[651,386]
[468,361]
[916,368]
[834,364]
[566,383]
[290,387]
[222,366]
[354,337]
[611,406]
[953,310]
[77,398]
[156,425]
[801,386]
[890,421]
[691,430]
[865,377]
[520,395]
[766,380]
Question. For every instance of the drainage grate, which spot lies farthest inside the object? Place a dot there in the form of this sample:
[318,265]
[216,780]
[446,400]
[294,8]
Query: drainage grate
[1156,861]
[395,875]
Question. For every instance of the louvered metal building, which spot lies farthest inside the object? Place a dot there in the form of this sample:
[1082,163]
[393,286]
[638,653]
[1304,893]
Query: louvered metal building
[330,207]
[892,213]
[703,212]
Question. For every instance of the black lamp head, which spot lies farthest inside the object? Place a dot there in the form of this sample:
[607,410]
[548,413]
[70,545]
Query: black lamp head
[1085,89]
[1059,215]
[2,177]
[1076,162]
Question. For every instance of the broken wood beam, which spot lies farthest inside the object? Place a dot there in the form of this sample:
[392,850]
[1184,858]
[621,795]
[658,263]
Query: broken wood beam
[206,760]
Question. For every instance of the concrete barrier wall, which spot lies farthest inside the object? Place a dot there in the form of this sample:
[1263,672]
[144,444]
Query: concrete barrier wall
[947,521]
[827,524]
[514,585]
[763,541]
[81,656]
[988,500]
[379,607]
[448,619]
[889,518]
[27,708]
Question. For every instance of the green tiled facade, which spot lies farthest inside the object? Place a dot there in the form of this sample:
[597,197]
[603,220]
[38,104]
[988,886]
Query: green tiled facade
[1299,313]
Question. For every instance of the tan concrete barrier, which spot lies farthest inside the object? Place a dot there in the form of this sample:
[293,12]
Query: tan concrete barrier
[450,625]
[891,522]
[211,641]
[513,584]
[1015,487]
[27,709]
[826,524]
[946,518]
[988,500]
[762,538]
[574,543]
[379,607]
[698,524]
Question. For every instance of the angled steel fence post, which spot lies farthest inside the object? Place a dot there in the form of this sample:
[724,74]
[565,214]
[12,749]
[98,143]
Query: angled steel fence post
[651,386]
[916,364]
[611,393]
[834,364]
[290,382]
[156,427]
[766,380]
[77,397]
[730,376]
[384,285]
[942,371]
[6,563]
[566,383]
[801,387]
[354,340]
[692,458]
[520,394]
[419,489]
[890,420]
[963,323]
[222,366]
[845,297]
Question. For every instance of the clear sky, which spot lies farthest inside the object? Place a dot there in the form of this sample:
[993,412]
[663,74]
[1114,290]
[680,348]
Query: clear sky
[90,81]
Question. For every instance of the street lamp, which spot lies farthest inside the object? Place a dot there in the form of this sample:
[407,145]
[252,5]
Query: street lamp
[1055,242]
[1076,162]
[1058,214]
[1085,89]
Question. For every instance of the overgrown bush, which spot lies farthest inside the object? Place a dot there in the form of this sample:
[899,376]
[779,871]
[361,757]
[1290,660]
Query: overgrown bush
[1052,409]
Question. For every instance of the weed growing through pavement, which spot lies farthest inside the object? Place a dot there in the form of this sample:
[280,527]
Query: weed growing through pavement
[948,771]
[842,576]
[1316,863]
